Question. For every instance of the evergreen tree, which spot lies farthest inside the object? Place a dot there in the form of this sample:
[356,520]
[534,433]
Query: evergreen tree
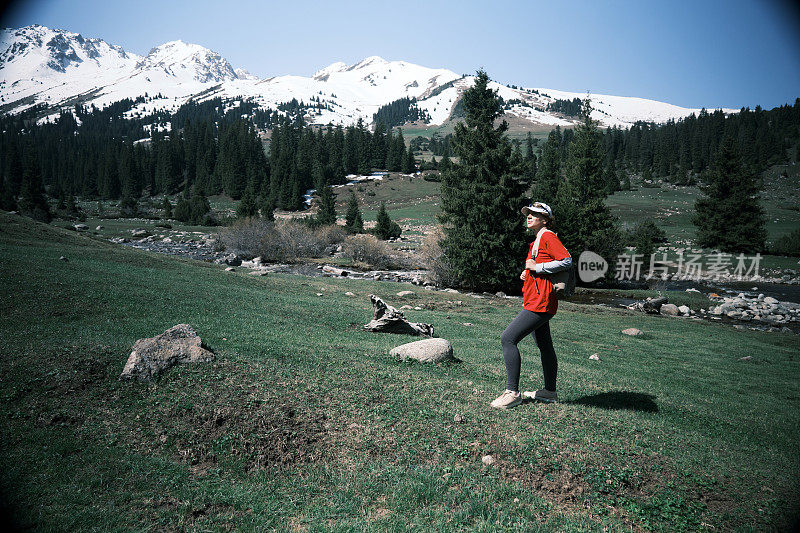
[32,202]
[548,175]
[166,206]
[7,200]
[484,242]
[266,206]
[353,221]
[327,205]
[583,220]
[386,228]
[409,163]
[729,215]
[129,207]
[247,205]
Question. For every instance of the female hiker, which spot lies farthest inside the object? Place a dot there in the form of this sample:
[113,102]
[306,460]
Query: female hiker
[539,305]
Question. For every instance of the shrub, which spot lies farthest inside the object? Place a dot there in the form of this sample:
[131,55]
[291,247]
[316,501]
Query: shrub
[279,242]
[368,249]
[645,236]
[243,237]
[439,271]
[789,244]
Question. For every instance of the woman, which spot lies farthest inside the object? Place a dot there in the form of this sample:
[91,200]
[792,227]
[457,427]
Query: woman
[539,305]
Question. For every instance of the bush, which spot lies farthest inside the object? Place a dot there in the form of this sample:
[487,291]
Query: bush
[439,271]
[368,249]
[789,245]
[645,236]
[279,242]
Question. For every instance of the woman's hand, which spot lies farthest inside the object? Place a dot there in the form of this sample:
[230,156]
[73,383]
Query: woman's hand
[523,275]
[530,264]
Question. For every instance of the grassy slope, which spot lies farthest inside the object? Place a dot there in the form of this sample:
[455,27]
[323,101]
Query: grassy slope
[305,421]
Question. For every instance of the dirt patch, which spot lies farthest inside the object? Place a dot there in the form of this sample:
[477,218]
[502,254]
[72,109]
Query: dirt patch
[558,486]
[234,415]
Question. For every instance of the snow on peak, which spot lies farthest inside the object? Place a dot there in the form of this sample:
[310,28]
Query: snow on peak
[244,74]
[322,74]
[369,61]
[188,61]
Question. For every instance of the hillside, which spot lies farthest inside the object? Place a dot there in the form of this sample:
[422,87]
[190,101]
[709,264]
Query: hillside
[305,422]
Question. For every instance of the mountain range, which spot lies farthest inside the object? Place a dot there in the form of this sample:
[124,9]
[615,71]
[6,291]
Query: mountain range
[59,69]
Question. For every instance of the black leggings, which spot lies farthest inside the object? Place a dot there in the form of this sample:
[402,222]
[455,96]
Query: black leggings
[528,322]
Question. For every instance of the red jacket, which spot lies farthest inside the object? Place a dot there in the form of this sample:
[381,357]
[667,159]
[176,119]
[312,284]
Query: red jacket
[537,290]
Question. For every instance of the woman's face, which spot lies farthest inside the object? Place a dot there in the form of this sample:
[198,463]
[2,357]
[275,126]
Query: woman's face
[535,222]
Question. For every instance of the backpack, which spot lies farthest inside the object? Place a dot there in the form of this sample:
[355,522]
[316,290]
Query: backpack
[564,281]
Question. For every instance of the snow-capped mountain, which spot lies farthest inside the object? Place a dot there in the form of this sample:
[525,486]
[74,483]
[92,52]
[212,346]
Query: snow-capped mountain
[39,65]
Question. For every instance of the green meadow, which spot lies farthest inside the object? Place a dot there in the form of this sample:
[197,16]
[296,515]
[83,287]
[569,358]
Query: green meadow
[305,423]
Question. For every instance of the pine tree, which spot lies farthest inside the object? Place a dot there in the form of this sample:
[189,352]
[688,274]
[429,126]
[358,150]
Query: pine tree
[729,215]
[32,202]
[327,205]
[582,219]
[353,221]
[386,228]
[266,206]
[548,175]
[484,242]
[247,205]
[167,207]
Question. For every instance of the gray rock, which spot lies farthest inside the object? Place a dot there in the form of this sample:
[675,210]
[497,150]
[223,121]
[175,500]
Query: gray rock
[632,332]
[487,460]
[232,260]
[140,233]
[425,351]
[654,305]
[670,310]
[770,300]
[387,319]
[62,258]
[594,357]
[99,228]
[80,227]
[500,294]
[179,344]
[684,309]
[406,294]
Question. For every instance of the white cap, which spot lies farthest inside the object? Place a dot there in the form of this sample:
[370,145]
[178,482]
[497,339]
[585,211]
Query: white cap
[538,208]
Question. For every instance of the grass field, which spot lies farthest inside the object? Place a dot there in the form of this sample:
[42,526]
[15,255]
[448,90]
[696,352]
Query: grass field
[305,423]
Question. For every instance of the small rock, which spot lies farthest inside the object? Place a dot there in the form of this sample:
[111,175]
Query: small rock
[80,227]
[405,294]
[516,500]
[348,293]
[500,294]
[632,332]
[139,232]
[458,419]
[770,300]
[230,269]
[62,258]
[319,294]
[746,358]
[99,228]
[468,324]
[257,273]
[487,460]
[594,357]
[451,291]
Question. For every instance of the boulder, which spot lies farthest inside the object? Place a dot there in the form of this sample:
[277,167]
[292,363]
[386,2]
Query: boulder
[425,351]
[80,227]
[669,310]
[179,344]
[654,305]
[770,300]
[333,271]
[406,294]
[140,233]
[390,320]
[684,309]
[632,332]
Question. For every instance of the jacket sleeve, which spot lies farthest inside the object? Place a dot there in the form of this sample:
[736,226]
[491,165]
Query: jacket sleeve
[551,267]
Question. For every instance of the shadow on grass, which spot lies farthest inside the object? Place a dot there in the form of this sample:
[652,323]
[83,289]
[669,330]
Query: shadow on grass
[634,401]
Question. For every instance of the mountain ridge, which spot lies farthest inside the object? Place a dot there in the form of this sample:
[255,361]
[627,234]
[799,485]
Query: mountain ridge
[40,65]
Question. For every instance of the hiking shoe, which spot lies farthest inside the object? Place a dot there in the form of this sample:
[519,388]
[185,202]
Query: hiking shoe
[507,400]
[542,395]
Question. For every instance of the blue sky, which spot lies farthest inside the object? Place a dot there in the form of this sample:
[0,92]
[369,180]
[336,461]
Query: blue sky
[701,53]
